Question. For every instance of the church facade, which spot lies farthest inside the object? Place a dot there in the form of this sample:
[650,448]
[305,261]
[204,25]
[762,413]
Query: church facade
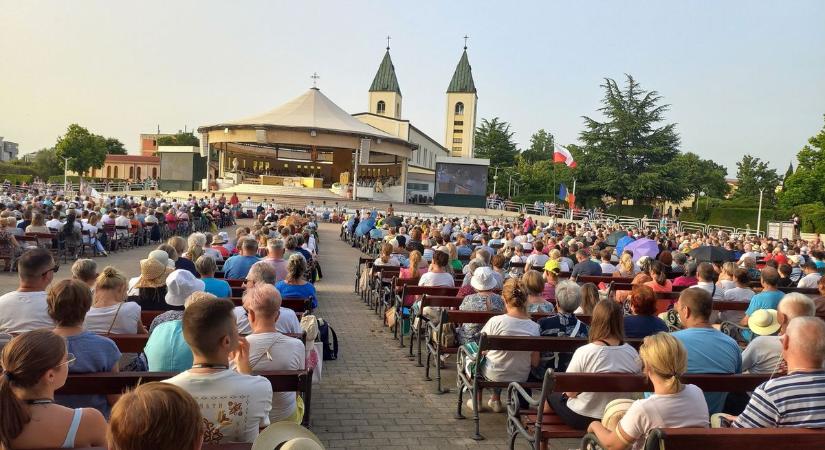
[384,112]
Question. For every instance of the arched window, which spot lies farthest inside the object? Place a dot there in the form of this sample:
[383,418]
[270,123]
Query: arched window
[108,171]
[115,171]
[154,172]
[459,109]
[382,107]
[138,172]
[131,172]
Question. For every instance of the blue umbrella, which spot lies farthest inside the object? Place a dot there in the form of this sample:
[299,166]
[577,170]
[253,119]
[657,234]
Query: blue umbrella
[643,247]
[365,226]
[620,245]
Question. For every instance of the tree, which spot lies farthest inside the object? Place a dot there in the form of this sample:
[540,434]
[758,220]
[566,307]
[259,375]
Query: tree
[180,139]
[700,175]
[541,147]
[46,163]
[754,174]
[628,153]
[85,149]
[807,183]
[114,147]
[494,140]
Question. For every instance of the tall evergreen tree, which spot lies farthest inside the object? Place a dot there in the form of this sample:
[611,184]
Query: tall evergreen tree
[494,140]
[630,150]
[541,147]
[752,174]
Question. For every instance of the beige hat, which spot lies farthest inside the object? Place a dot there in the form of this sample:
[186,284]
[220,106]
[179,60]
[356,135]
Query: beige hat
[763,322]
[153,274]
[614,411]
[287,435]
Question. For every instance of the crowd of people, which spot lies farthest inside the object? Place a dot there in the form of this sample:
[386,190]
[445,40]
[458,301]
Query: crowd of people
[51,329]
[519,267]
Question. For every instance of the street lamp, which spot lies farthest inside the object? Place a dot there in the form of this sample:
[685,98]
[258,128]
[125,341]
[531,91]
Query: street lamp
[65,170]
[495,179]
[759,214]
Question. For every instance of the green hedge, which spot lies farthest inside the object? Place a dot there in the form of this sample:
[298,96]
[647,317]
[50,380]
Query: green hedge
[16,178]
[75,179]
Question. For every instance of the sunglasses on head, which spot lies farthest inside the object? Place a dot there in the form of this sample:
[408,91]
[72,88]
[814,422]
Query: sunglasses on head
[53,269]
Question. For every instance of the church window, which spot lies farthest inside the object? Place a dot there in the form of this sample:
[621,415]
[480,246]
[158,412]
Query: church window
[138,173]
[132,172]
[154,172]
[108,171]
[382,107]
[458,123]
[457,140]
[115,171]
[458,131]
[459,109]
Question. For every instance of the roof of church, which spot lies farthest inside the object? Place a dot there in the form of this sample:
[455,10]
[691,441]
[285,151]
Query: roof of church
[385,80]
[463,76]
[311,110]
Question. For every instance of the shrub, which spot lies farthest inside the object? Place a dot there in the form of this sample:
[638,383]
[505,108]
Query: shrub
[16,178]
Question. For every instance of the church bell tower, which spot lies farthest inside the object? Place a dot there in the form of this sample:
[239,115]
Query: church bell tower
[385,95]
[462,102]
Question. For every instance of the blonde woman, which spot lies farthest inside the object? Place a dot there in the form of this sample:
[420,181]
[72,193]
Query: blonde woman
[416,268]
[110,312]
[727,278]
[672,405]
[625,267]
[555,255]
[386,258]
[455,263]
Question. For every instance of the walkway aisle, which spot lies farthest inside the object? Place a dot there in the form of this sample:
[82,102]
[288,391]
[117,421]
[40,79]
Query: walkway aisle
[373,396]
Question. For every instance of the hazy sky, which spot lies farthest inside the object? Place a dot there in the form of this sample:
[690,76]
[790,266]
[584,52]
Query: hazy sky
[741,76]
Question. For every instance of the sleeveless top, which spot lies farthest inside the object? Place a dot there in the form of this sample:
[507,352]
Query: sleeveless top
[71,434]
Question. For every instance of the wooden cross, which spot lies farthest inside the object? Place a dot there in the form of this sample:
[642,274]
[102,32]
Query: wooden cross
[465,41]
[315,79]
[388,42]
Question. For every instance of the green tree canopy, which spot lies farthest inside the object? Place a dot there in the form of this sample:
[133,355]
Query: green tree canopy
[47,164]
[494,140]
[180,139]
[85,149]
[700,175]
[628,153]
[541,147]
[754,174]
[807,183]
[114,147]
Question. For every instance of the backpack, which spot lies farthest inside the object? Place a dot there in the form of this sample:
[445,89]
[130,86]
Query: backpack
[329,340]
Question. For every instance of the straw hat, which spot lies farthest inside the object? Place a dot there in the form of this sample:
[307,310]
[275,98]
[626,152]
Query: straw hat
[162,257]
[614,411]
[221,238]
[180,284]
[287,435]
[152,273]
[483,279]
[763,322]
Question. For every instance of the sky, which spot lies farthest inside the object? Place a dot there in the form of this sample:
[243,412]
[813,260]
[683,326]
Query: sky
[740,76]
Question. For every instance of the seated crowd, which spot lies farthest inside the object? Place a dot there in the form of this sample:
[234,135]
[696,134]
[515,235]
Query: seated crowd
[51,329]
[774,332]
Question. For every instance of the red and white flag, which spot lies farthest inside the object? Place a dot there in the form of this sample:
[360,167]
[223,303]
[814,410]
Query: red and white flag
[562,155]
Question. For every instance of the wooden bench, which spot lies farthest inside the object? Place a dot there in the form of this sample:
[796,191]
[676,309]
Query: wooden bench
[115,383]
[420,321]
[415,290]
[380,278]
[734,438]
[536,426]
[475,382]
[365,261]
[227,446]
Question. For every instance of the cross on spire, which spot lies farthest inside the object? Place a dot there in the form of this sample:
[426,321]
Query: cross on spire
[388,42]
[465,41]
[315,79]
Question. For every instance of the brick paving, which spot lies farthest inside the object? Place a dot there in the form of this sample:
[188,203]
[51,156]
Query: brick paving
[373,396]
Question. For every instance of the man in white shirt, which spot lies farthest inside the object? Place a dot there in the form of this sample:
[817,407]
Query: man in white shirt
[607,267]
[234,405]
[537,259]
[764,353]
[704,273]
[25,309]
[811,277]
[263,274]
[271,350]
[123,221]
[55,222]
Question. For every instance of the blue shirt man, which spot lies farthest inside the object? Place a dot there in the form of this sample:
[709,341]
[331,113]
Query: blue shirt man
[237,267]
[767,299]
[709,350]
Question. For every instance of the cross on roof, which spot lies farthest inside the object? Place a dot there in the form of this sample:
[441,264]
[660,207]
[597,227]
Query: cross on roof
[465,41]
[315,79]
[388,42]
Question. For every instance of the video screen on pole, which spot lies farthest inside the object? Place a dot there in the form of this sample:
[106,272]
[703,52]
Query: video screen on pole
[460,179]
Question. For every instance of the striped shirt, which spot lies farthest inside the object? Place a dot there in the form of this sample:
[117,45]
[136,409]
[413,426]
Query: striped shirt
[796,401]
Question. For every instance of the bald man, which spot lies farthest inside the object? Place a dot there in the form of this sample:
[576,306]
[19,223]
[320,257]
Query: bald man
[764,353]
[795,400]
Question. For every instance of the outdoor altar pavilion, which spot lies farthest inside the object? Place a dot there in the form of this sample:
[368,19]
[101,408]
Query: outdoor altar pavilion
[308,141]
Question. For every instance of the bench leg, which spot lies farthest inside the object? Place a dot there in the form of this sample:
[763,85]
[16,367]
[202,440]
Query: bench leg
[458,414]
[438,388]
[427,367]
[476,418]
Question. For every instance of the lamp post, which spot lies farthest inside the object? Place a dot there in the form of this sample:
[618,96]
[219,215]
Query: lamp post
[495,179]
[65,170]
[759,214]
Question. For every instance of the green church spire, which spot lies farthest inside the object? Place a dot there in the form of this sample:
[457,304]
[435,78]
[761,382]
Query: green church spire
[385,80]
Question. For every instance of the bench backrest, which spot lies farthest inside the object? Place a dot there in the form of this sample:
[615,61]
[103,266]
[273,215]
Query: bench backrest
[536,343]
[431,290]
[115,383]
[735,438]
[444,301]
[621,382]
[134,343]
